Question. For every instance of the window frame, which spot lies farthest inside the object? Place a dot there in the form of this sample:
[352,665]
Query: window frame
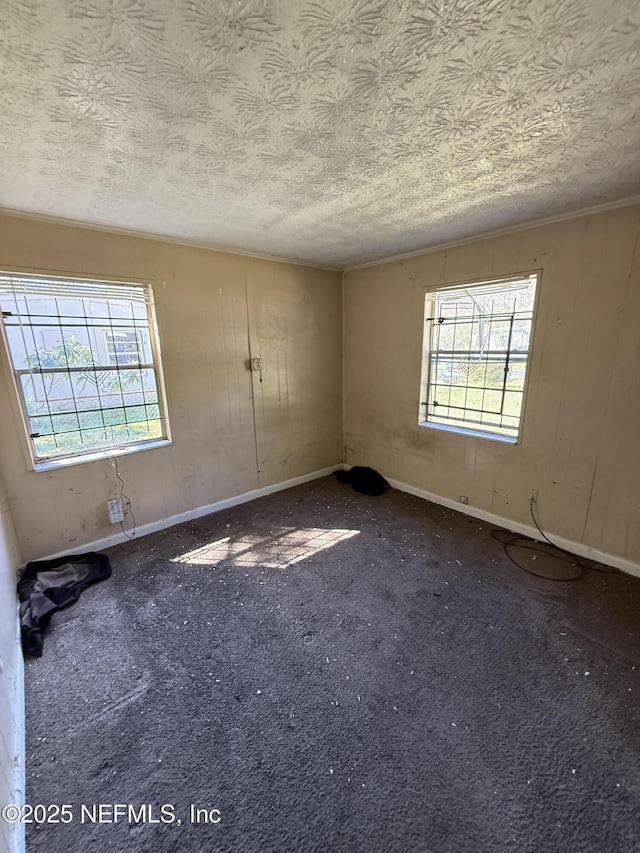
[427,347]
[43,463]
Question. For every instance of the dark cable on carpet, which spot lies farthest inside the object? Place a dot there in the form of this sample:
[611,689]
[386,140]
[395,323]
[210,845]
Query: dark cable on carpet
[557,564]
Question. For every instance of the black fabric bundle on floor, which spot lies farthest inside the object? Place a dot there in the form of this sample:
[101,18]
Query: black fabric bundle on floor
[365,480]
[50,585]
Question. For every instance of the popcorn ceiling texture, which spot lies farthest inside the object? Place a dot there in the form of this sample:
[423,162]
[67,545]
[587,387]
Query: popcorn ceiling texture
[335,131]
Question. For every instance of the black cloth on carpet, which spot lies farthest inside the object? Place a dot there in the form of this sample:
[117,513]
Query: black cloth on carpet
[365,480]
[50,585]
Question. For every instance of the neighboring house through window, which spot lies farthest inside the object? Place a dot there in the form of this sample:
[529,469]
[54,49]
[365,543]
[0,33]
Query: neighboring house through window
[476,348]
[123,347]
[86,364]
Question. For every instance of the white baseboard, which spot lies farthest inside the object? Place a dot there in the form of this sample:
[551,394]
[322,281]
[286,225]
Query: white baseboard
[19,758]
[578,548]
[189,515]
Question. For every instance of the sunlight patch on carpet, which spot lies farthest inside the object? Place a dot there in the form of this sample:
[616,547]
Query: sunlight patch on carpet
[281,548]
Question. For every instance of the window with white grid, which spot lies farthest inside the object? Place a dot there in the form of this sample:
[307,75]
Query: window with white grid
[476,349]
[86,361]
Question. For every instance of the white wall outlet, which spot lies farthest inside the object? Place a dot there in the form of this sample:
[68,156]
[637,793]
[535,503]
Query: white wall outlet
[464,499]
[115,510]
[255,364]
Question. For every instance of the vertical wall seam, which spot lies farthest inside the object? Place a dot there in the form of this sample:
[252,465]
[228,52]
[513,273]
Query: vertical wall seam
[253,389]
[343,396]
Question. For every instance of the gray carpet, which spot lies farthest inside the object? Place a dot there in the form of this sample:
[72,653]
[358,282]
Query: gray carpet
[335,672]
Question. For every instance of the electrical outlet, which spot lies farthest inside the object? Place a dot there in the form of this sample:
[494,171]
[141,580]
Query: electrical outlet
[464,499]
[115,510]
[534,495]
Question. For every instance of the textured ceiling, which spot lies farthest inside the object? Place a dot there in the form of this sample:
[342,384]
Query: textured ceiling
[332,131]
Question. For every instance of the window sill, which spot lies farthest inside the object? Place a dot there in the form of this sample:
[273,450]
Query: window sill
[98,455]
[506,439]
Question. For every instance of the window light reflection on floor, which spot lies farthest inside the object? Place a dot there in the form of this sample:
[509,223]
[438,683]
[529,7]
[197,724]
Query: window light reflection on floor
[282,547]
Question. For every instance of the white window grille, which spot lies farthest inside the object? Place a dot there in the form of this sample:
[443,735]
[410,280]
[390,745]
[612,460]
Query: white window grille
[475,356]
[86,363]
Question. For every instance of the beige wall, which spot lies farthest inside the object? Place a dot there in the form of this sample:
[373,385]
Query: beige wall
[212,308]
[580,445]
[10,715]
[578,448]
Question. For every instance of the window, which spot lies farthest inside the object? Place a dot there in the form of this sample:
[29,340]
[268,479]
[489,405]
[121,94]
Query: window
[86,363]
[475,354]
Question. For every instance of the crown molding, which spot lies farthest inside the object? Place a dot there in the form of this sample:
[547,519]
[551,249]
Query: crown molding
[231,250]
[498,232]
[144,235]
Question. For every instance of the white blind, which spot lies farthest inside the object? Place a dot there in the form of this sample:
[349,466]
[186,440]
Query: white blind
[487,288]
[73,288]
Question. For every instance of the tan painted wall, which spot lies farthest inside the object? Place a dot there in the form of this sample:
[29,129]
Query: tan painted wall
[208,305]
[302,362]
[10,715]
[580,445]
